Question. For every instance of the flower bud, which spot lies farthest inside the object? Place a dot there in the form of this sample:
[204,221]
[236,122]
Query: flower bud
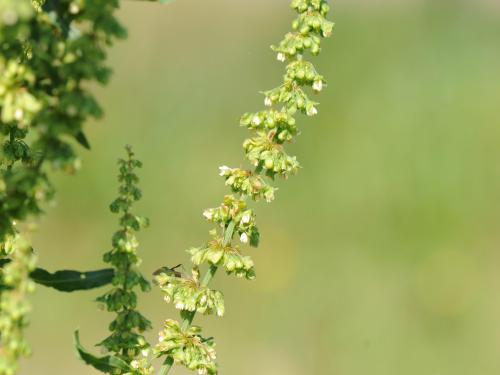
[318,86]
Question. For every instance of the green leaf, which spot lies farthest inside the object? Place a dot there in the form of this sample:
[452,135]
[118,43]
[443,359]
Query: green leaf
[228,234]
[82,140]
[70,281]
[107,364]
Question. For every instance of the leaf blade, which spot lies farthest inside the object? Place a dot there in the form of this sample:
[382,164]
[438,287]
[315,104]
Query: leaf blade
[71,281]
[81,138]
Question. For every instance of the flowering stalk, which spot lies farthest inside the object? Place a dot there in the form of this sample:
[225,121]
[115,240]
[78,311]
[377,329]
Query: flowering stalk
[14,306]
[126,340]
[182,343]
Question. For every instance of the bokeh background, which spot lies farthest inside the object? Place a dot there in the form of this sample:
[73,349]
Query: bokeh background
[382,257]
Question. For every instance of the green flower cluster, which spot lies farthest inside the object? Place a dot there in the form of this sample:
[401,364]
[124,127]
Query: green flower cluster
[187,347]
[14,307]
[247,183]
[234,210]
[126,340]
[187,293]
[230,258]
[308,29]
[273,128]
[280,124]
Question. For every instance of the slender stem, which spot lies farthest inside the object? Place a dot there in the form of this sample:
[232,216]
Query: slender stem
[167,365]
[228,235]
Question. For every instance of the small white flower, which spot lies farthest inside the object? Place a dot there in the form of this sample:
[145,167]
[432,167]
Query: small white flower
[134,363]
[268,102]
[208,214]
[244,238]
[145,352]
[224,170]
[74,8]
[203,299]
[18,114]
[245,219]
[220,312]
[256,120]
[318,86]
[281,57]
[312,111]
[161,337]
[179,305]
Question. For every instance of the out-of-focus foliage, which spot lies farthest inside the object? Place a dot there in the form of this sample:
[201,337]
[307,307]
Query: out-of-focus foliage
[49,51]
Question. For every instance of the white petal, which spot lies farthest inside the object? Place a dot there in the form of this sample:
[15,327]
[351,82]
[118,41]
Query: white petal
[256,120]
[223,170]
[313,111]
[244,238]
[74,8]
[18,114]
[318,85]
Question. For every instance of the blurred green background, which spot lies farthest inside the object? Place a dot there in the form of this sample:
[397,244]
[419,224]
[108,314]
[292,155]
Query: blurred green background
[382,257]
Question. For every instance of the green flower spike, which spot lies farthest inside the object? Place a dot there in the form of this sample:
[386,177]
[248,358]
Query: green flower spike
[188,294]
[272,129]
[127,348]
[187,348]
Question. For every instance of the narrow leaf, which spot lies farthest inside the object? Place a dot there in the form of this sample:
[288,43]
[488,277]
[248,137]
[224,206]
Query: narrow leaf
[107,364]
[82,140]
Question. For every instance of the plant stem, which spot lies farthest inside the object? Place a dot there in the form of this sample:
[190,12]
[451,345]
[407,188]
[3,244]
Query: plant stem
[188,320]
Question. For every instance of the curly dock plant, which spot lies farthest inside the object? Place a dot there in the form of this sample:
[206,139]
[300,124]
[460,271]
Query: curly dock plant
[127,348]
[126,340]
[181,342]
